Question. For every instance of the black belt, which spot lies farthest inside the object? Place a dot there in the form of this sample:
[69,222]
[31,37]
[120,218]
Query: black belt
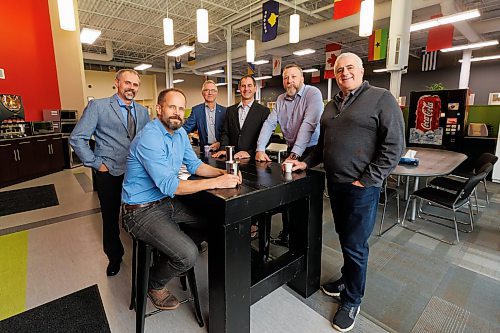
[143,205]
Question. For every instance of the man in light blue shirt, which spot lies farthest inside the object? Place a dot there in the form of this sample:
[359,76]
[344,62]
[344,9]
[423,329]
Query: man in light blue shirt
[152,212]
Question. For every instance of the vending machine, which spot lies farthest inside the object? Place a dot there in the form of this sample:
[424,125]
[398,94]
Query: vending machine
[437,119]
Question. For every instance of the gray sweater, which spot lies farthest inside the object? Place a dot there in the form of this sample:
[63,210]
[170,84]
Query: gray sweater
[362,141]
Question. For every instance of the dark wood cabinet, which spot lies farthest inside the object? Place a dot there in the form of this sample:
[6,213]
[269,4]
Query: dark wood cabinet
[30,157]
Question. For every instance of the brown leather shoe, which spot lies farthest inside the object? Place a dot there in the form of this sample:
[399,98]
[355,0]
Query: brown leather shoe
[163,299]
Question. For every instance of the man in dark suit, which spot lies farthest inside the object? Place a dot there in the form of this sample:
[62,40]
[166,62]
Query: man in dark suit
[243,122]
[113,121]
[207,117]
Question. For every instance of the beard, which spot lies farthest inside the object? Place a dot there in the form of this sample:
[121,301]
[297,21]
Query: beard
[171,124]
[129,94]
[291,90]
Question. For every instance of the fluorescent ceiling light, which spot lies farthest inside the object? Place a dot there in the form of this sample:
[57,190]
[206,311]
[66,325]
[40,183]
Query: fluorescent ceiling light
[366,18]
[142,67]
[88,36]
[380,70]
[310,70]
[260,62]
[177,81]
[202,25]
[168,31]
[492,57]
[263,77]
[183,49]
[471,46]
[215,71]
[66,15]
[294,35]
[220,84]
[304,52]
[467,15]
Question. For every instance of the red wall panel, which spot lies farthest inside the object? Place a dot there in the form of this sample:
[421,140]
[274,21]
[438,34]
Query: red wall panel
[27,55]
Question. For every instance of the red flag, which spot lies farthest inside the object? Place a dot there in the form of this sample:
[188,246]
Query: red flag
[343,8]
[440,37]
[315,77]
[332,52]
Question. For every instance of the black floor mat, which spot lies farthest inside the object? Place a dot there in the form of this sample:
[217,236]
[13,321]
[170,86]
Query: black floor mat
[18,201]
[81,311]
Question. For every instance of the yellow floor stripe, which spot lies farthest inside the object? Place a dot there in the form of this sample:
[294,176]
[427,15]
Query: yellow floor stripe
[13,269]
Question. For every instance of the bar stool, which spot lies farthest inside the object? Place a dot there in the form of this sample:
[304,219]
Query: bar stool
[141,263]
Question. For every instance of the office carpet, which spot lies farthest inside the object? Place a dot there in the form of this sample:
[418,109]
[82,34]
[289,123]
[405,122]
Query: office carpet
[81,311]
[31,198]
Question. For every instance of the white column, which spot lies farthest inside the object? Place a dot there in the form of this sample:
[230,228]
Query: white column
[229,66]
[465,70]
[399,42]
[329,98]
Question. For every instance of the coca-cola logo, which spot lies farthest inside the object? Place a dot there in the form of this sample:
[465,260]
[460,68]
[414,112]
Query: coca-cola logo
[427,110]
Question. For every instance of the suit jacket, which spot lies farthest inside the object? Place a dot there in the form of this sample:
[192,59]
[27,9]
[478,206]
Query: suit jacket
[198,120]
[103,119]
[246,137]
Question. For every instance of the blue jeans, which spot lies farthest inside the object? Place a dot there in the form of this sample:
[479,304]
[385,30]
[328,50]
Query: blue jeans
[159,225]
[354,211]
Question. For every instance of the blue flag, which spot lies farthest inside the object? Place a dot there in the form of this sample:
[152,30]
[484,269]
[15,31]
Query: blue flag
[270,13]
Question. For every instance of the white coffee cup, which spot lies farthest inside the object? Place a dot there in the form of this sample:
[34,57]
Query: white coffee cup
[288,167]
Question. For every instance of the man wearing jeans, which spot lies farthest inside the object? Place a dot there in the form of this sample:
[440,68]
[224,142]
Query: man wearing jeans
[361,141]
[152,211]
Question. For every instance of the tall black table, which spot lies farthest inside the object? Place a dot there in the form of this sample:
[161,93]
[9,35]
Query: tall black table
[235,280]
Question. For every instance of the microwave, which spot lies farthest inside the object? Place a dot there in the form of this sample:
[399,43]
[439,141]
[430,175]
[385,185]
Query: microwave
[60,115]
[67,128]
[69,115]
[42,127]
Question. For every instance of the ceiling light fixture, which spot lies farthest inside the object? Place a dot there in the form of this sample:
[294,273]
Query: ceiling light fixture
[471,46]
[202,25]
[366,18]
[310,70]
[380,70]
[250,42]
[66,15]
[177,81]
[142,67]
[260,62]
[304,52]
[220,84]
[467,15]
[215,71]
[492,57]
[265,77]
[294,35]
[89,36]
[183,49]
[168,31]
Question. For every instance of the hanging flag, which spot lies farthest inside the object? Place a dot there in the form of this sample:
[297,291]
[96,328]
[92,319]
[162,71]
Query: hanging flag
[250,69]
[276,66]
[440,37]
[377,44]
[343,8]
[332,52]
[192,54]
[316,77]
[270,13]
[429,60]
[178,63]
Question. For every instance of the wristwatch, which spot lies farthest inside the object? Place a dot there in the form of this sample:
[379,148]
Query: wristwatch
[293,156]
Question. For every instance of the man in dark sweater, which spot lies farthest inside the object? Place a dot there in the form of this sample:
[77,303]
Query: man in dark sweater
[361,141]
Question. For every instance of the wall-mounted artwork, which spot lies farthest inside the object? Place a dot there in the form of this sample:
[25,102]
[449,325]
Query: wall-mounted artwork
[494,98]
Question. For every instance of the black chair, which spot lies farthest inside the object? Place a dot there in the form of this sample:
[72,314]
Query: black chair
[454,184]
[483,159]
[446,200]
[141,263]
[387,193]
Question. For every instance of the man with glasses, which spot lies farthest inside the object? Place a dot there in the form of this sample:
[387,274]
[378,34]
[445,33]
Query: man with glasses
[152,192]
[207,118]
[243,122]
[298,111]
[360,143]
[113,122]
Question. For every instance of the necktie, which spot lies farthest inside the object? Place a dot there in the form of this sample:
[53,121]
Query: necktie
[130,122]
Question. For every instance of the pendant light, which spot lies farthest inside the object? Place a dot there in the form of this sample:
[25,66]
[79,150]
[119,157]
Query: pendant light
[294,35]
[366,18]
[202,24]
[250,42]
[168,30]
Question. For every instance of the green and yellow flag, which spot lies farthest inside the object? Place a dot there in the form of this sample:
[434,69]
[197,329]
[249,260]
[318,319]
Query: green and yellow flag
[377,44]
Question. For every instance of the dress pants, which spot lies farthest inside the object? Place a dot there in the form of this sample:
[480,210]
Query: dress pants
[109,190]
[354,212]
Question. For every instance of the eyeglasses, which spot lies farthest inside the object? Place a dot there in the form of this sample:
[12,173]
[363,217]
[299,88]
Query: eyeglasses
[211,91]
[349,68]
